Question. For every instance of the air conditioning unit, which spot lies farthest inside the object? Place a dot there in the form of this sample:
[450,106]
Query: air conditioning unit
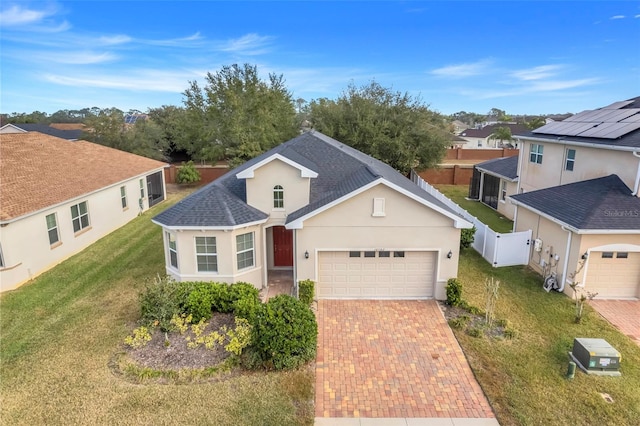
[596,356]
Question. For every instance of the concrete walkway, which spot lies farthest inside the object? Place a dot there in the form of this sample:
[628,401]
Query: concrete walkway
[623,314]
[393,362]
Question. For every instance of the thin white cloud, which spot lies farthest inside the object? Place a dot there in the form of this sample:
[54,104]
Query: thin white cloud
[617,17]
[463,70]
[16,15]
[249,44]
[135,80]
[637,16]
[537,73]
[76,58]
[114,40]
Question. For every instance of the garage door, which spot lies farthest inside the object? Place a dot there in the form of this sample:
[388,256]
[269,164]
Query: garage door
[614,275]
[376,274]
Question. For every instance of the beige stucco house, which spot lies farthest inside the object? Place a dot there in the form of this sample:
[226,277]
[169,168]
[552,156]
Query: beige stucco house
[480,138]
[579,182]
[323,211]
[57,197]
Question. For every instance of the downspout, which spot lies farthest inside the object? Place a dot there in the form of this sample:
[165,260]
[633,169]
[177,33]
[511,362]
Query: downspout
[636,186]
[566,260]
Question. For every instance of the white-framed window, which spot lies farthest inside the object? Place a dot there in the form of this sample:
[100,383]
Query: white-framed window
[535,153]
[141,188]
[52,228]
[278,197]
[570,160]
[123,196]
[398,254]
[384,253]
[378,207]
[370,253]
[622,255]
[173,249]
[354,254]
[80,216]
[245,253]
[503,190]
[206,254]
[607,255]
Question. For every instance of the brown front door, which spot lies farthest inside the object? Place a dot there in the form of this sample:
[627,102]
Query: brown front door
[282,246]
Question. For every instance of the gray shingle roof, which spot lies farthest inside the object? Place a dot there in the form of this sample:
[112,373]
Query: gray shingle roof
[604,203]
[506,167]
[341,170]
[51,131]
[488,130]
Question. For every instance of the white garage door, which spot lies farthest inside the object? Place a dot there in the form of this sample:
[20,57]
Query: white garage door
[376,275]
[614,275]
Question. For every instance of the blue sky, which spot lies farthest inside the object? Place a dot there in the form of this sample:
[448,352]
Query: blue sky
[523,57]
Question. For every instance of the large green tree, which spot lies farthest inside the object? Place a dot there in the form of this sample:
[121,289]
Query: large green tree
[391,126]
[239,113]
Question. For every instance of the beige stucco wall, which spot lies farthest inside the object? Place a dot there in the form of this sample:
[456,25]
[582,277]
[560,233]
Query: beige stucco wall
[407,225]
[25,242]
[505,208]
[555,241]
[226,253]
[276,172]
[590,163]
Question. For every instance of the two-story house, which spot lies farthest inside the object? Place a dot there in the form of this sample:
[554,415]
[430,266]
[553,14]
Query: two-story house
[323,211]
[57,197]
[578,191]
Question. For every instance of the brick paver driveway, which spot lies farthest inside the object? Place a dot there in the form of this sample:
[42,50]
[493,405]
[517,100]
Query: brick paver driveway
[623,314]
[392,359]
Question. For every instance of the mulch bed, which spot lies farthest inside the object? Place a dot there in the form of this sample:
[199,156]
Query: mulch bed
[476,321]
[177,356]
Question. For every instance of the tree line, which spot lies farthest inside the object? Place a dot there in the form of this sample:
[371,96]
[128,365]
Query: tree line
[236,115]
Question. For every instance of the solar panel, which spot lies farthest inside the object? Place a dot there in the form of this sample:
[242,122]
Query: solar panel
[634,118]
[603,128]
[621,130]
[618,105]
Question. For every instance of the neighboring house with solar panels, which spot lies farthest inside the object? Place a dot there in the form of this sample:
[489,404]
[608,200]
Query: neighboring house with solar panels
[578,191]
[58,197]
[322,211]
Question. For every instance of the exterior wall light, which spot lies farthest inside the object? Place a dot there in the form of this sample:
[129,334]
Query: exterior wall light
[450,254]
[585,255]
[306,254]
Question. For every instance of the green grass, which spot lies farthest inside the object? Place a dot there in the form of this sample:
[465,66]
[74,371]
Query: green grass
[524,378]
[61,332]
[458,194]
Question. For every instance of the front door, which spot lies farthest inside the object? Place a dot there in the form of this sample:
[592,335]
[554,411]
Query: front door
[282,246]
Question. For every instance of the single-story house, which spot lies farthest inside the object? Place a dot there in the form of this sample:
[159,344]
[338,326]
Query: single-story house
[58,197]
[323,211]
[493,181]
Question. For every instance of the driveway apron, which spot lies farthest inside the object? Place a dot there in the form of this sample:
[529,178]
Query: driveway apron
[388,359]
[623,314]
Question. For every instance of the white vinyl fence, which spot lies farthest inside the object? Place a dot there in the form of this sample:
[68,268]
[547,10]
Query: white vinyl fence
[498,249]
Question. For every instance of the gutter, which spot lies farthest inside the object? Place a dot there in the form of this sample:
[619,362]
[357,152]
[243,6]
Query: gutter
[565,268]
[576,143]
[636,186]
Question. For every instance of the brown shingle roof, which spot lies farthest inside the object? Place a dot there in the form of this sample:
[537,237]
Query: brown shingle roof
[37,171]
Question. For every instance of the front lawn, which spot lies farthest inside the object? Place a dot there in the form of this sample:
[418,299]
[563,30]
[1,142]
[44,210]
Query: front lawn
[487,215]
[60,335]
[524,378]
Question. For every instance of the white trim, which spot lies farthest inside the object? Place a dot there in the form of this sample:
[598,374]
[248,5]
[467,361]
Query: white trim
[210,228]
[459,222]
[249,172]
[13,127]
[559,140]
[572,228]
[215,276]
[606,247]
[503,177]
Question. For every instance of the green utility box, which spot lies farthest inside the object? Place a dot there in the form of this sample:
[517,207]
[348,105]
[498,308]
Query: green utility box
[596,356]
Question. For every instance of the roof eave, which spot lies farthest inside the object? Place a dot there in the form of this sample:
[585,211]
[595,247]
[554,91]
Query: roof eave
[209,228]
[561,141]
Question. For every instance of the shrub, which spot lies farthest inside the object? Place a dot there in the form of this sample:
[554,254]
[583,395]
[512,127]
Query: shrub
[188,173]
[459,322]
[454,292]
[159,302]
[140,338]
[285,333]
[306,291]
[199,301]
[466,237]
[475,332]
[247,308]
